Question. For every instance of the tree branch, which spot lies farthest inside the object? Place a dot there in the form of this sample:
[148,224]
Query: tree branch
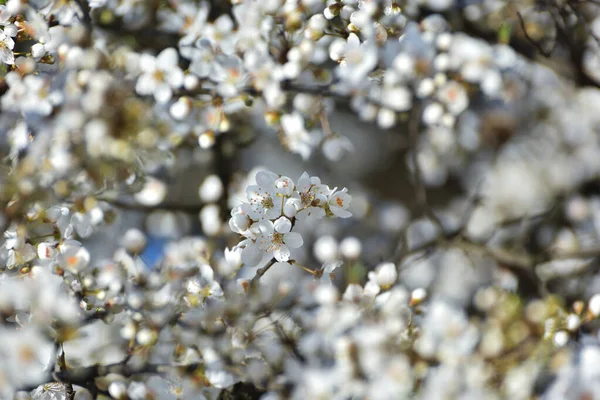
[132,206]
[259,273]
[83,376]
[421,191]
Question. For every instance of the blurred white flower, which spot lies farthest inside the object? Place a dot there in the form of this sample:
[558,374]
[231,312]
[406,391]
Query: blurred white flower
[454,96]
[7,45]
[356,59]
[384,276]
[211,189]
[160,75]
[325,248]
[153,192]
[296,138]
[134,241]
[73,256]
[181,108]
[25,354]
[210,219]
[351,247]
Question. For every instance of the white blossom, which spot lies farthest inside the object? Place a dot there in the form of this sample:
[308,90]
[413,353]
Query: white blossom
[160,75]
[276,237]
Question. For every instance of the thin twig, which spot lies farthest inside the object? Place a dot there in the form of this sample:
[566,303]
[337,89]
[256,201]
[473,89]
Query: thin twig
[537,44]
[472,203]
[260,272]
[132,206]
[421,191]
[85,10]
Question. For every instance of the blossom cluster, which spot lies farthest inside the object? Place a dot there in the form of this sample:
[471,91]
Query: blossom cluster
[464,265]
[275,205]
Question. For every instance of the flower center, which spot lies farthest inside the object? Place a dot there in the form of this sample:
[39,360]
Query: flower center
[267,203]
[158,75]
[306,198]
[26,355]
[278,238]
[276,241]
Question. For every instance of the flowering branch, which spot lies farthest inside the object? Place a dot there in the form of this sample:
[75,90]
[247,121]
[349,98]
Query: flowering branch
[85,376]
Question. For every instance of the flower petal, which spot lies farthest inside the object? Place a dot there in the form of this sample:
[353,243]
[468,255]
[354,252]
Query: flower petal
[282,253]
[283,225]
[266,227]
[7,56]
[284,186]
[175,77]
[251,255]
[163,93]
[340,212]
[293,240]
[167,58]
[266,179]
[289,209]
[303,182]
[273,213]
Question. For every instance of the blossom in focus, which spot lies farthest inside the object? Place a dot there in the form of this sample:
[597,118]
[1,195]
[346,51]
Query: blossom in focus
[276,237]
[274,205]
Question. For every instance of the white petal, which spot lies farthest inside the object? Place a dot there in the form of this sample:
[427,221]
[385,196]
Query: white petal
[266,227]
[254,193]
[175,77]
[251,255]
[147,63]
[316,212]
[9,42]
[11,30]
[353,41]
[284,186]
[163,93]
[167,58]
[331,266]
[283,225]
[273,213]
[293,240]
[292,124]
[38,50]
[282,254]
[289,209]
[266,179]
[371,289]
[303,182]
[340,212]
[7,56]
[215,289]
[4,15]
[145,85]
[206,272]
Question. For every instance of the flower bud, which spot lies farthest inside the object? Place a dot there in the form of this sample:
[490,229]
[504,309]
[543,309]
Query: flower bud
[134,241]
[594,305]
[385,275]
[332,11]
[417,297]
